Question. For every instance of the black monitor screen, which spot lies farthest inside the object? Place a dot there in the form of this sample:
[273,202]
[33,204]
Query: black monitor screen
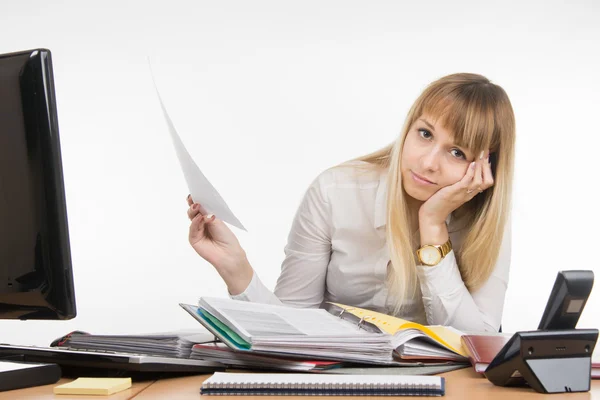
[36,280]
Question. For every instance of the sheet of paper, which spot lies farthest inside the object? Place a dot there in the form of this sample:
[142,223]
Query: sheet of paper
[6,366]
[202,191]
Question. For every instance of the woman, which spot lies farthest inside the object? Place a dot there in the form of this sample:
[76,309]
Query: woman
[419,229]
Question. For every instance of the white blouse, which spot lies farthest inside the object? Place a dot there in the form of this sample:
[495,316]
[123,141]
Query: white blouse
[337,252]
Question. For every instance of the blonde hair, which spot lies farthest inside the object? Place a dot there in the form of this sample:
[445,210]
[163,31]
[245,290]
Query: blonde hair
[480,116]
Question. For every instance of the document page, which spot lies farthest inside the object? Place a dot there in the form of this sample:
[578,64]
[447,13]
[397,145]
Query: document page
[7,366]
[252,320]
[202,191]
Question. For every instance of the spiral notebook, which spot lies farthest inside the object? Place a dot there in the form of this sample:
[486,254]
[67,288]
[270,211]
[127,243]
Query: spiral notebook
[224,384]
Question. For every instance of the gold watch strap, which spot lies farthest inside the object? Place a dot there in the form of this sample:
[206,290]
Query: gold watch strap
[445,248]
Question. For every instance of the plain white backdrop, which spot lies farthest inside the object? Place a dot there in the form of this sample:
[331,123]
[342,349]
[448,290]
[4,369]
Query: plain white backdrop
[266,95]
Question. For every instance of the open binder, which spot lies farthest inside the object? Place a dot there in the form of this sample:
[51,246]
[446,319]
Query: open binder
[338,333]
[433,342]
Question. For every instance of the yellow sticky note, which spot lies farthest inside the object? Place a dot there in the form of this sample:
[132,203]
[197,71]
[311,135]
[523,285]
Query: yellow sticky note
[97,386]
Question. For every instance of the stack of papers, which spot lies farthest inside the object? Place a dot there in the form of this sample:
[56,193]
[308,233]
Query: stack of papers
[412,341]
[351,335]
[307,333]
[220,352]
[168,344]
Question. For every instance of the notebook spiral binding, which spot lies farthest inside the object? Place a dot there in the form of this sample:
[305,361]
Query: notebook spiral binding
[255,384]
[320,389]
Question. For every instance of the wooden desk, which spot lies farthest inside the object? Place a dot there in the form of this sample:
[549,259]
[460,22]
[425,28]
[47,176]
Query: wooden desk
[45,392]
[460,384]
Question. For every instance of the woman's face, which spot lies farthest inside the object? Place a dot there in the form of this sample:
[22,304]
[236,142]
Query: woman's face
[430,159]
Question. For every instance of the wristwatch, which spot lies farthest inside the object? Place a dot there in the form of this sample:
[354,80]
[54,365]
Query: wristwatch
[431,255]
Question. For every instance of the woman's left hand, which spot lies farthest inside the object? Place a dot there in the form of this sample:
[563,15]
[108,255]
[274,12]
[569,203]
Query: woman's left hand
[477,179]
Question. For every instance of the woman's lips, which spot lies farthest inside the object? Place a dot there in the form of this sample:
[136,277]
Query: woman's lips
[420,179]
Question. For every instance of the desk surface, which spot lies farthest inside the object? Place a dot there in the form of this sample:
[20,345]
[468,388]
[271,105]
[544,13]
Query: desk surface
[46,392]
[461,384]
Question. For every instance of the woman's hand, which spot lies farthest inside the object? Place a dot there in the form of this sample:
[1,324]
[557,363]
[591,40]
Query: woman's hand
[433,213]
[215,242]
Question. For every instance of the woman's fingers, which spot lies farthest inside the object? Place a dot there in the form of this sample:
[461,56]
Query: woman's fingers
[196,228]
[488,177]
[193,211]
[196,209]
[477,184]
[467,180]
[199,226]
[191,203]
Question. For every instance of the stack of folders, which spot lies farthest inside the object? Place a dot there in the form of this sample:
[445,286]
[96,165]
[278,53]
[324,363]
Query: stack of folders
[168,344]
[220,352]
[336,333]
[222,383]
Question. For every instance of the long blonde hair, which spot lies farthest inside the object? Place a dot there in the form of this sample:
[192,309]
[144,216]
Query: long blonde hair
[480,116]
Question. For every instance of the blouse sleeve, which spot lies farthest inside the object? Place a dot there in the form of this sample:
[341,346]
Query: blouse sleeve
[307,254]
[448,301]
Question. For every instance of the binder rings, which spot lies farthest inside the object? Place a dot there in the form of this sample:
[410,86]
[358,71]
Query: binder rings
[223,383]
[445,341]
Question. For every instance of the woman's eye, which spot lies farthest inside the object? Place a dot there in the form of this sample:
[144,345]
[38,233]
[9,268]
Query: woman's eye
[458,154]
[425,134]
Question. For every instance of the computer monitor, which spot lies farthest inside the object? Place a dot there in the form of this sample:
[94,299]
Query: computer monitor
[36,278]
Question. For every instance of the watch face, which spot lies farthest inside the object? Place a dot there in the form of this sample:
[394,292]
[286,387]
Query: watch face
[430,255]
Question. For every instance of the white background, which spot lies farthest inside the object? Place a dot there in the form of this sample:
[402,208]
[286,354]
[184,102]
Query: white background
[267,94]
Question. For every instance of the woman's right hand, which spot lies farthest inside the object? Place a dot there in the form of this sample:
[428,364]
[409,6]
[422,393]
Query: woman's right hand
[215,242]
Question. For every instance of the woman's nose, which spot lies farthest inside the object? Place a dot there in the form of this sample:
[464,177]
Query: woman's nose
[430,160]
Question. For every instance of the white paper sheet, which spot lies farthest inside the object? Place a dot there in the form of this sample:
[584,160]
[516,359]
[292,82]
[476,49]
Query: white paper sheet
[6,366]
[202,191]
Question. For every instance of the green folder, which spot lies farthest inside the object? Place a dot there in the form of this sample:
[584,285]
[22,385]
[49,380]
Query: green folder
[217,328]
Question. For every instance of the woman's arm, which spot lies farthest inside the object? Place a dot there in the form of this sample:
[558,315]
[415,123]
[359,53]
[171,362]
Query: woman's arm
[302,279]
[445,296]
[307,253]
[448,302]
[214,241]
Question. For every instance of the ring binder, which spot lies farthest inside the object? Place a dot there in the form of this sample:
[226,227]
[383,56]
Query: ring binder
[346,315]
[362,321]
[375,339]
